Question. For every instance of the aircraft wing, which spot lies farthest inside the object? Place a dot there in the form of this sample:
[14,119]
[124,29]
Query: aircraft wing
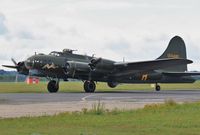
[151,65]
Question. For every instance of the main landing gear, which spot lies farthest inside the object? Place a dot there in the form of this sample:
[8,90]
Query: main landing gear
[89,86]
[157,87]
[53,86]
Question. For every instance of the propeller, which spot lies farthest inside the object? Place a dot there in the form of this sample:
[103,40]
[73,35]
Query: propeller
[9,66]
[16,65]
[14,61]
[20,67]
[93,63]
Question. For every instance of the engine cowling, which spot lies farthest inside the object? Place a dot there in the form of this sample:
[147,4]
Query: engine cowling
[21,68]
[71,67]
[93,63]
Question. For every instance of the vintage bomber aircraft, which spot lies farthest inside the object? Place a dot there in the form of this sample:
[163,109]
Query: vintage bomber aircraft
[170,67]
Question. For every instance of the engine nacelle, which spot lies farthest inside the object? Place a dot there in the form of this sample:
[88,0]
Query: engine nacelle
[71,67]
[94,62]
[22,68]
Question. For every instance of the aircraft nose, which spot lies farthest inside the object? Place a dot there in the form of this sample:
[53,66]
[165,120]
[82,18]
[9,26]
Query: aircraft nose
[29,63]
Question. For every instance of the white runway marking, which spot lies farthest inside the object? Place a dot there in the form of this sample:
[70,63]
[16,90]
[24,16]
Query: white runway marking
[89,96]
[114,98]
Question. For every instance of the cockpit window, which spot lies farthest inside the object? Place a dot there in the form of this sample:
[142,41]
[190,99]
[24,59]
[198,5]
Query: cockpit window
[55,54]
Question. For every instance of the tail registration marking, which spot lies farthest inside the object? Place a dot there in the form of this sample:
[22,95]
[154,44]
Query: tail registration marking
[173,55]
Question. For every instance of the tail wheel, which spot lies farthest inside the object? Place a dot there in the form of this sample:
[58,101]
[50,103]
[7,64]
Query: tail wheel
[112,84]
[53,86]
[89,86]
[158,87]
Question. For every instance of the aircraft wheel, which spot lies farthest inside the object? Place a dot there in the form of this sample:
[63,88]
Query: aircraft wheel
[53,86]
[112,84]
[89,86]
[158,87]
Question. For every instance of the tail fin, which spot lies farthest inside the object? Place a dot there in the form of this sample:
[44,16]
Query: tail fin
[176,49]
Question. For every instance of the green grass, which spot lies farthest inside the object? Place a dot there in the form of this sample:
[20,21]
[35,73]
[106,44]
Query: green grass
[78,87]
[165,119]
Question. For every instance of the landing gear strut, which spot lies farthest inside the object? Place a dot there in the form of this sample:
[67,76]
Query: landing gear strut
[53,86]
[89,86]
[157,87]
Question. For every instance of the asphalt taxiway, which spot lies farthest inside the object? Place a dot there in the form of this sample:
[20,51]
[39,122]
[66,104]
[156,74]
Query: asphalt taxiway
[36,104]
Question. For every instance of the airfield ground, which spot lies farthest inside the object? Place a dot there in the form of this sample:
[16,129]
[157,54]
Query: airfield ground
[78,87]
[154,119]
[165,119]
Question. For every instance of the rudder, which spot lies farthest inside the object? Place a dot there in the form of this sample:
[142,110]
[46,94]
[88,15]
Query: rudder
[176,49]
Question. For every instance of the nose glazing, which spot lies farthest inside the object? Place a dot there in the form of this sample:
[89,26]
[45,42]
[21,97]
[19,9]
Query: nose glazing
[29,63]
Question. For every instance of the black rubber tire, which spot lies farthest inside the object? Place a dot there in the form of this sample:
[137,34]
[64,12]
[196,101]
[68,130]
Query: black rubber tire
[111,85]
[158,87]
[89,86]
[53,87]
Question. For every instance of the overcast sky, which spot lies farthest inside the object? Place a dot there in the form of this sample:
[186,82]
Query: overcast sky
[113,29]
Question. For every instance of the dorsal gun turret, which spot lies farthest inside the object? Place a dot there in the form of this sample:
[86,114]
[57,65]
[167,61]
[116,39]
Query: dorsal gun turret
[68,51]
